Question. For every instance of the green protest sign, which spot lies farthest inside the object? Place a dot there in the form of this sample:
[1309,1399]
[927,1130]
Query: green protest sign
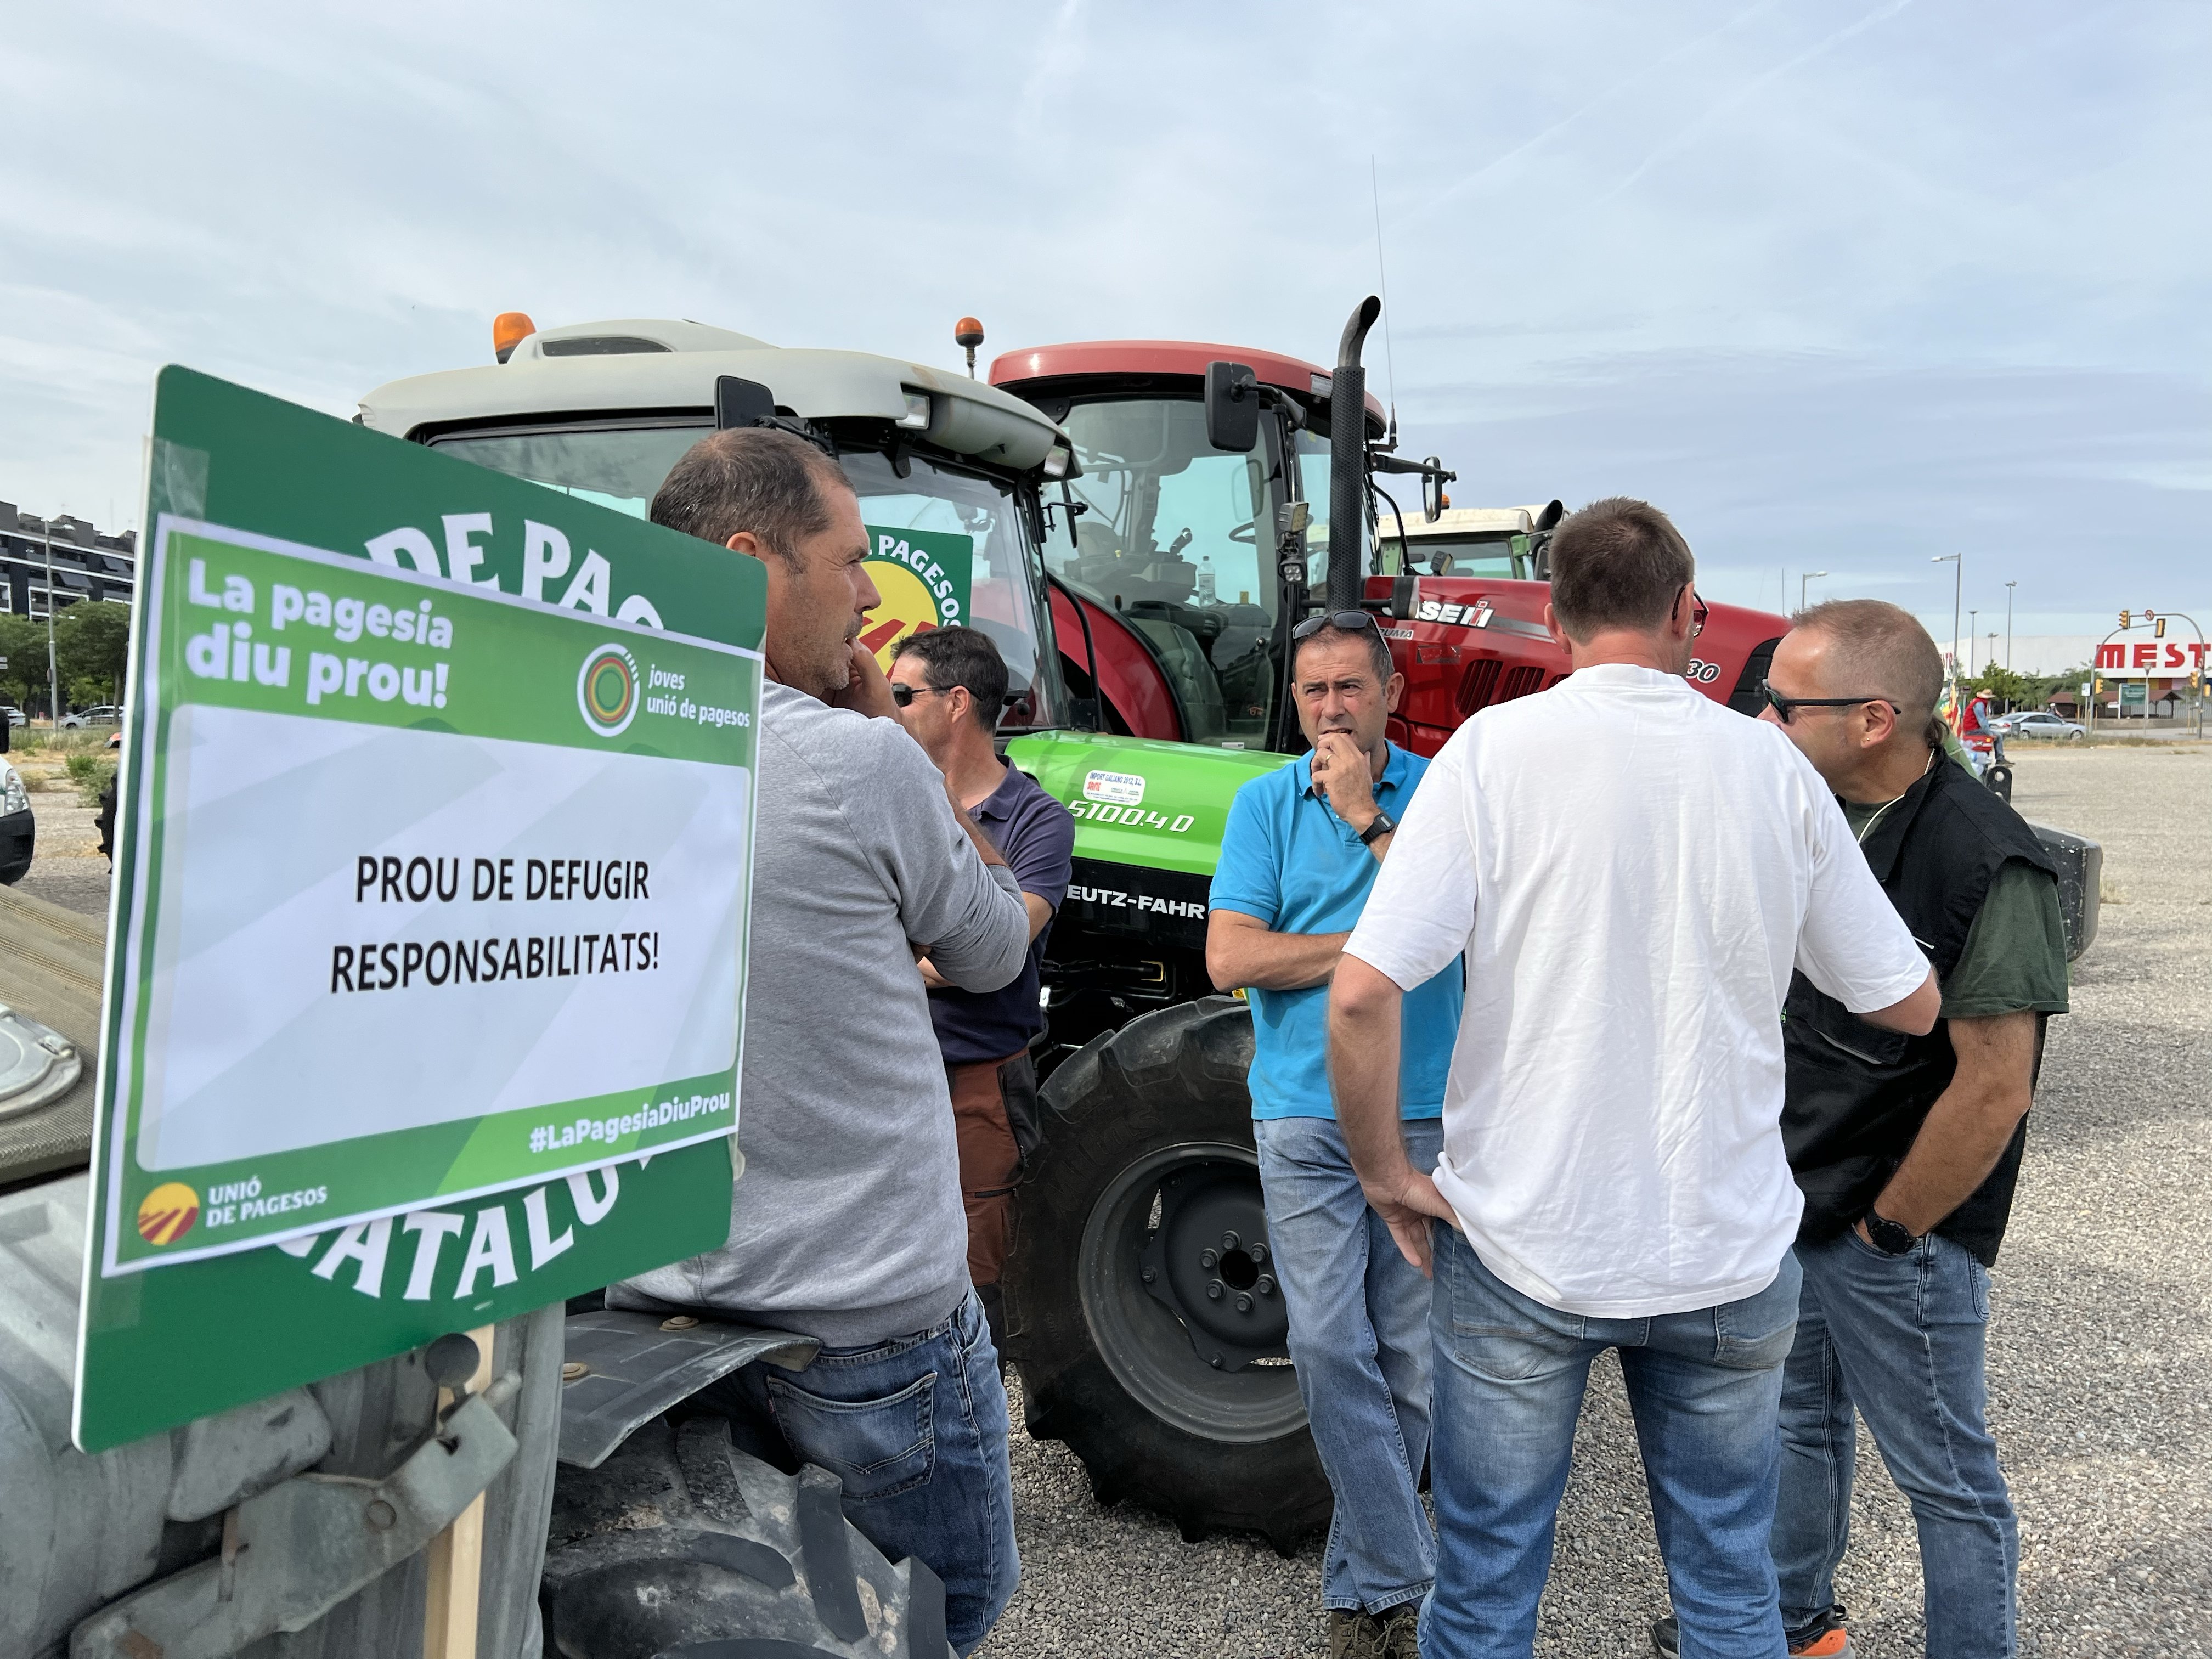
[925,577]
[430,905]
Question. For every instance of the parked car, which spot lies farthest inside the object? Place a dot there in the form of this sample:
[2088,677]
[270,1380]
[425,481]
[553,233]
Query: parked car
[15,716]
[105,715]
[2038,723]
[19,830]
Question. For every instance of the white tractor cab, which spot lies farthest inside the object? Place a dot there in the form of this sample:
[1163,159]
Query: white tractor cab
[658,1536]
[603,411]
[1505,541]
[948,470]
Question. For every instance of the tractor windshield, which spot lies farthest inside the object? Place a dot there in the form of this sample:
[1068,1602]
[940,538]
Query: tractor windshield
[951,537]
[1453,555]
[1176,537]
[952,544]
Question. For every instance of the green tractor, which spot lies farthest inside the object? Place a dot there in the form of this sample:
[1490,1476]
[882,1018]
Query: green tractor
[1219,496]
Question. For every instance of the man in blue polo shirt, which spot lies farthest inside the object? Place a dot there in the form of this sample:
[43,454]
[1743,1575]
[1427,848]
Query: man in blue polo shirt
[1297,858]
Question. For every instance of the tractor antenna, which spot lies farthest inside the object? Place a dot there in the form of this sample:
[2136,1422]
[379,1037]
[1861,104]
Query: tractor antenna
[1389,363]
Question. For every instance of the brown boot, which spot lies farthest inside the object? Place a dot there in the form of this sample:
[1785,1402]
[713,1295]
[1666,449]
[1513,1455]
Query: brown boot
[1401,1631]
[1356,1634]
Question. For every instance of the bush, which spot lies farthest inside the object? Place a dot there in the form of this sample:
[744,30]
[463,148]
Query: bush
[91,773]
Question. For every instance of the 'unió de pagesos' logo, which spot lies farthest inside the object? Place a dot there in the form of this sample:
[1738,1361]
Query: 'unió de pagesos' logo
[167,1213]
[607,689]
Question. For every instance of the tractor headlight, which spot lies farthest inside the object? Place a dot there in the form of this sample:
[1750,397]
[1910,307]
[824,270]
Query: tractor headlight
[1056,460]
[917,418]
[14,798]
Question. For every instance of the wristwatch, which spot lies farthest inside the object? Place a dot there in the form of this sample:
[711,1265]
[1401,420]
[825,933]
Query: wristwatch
[1383,825]
[1890,1237]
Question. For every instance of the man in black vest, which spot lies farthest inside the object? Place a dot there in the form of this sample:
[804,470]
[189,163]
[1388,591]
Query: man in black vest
[1907,1149]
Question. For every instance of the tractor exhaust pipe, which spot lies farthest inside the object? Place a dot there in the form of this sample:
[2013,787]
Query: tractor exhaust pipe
[1347,460]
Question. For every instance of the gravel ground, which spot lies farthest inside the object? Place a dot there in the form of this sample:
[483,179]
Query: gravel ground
[2099,1340]
[2098,1343]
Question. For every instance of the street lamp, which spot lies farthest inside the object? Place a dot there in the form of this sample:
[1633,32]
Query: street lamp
[2008,588]
[1973,621]
[1804,578]
[1958,589]
[53,674]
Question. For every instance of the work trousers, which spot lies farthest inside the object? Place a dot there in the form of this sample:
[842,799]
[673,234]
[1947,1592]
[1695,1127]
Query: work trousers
[993,1116]
[1705,1388]
[916,1430]
[1359,1339]
[1901,1338]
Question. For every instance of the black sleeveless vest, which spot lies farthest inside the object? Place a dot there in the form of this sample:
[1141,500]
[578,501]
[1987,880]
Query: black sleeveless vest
[1856,1094]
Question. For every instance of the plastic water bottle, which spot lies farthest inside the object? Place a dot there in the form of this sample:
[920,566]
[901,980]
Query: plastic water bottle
[1205,590]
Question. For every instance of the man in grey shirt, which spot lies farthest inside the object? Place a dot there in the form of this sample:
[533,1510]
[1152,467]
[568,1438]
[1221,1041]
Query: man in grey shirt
[847,1224]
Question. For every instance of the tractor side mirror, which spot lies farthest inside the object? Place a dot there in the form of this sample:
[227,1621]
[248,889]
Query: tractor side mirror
[741,402]
[1433,501]
[1232,407]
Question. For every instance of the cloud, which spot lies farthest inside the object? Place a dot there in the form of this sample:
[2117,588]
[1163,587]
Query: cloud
[1836,283]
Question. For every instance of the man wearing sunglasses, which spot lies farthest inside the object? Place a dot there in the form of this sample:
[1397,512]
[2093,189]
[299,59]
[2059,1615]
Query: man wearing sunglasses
[1907,1148]
[1299,857]
[949,685]
[1630,871]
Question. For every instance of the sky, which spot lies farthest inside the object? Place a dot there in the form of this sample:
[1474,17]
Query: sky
[1843,285]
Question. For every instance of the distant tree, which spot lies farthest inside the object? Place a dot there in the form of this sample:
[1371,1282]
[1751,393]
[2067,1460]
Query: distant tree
[92,648]
[2014,691]
[23,642]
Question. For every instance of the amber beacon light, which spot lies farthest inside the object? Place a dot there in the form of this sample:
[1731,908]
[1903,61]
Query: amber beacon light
[969,333]
[509,330]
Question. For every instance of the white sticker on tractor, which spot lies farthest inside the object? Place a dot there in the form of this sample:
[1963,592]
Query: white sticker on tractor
[1121,789]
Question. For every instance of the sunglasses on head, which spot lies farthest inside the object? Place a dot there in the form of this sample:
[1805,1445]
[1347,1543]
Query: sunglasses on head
[1345,620]
[1784,706]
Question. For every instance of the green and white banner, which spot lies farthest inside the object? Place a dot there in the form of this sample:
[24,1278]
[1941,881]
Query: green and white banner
[430,909]
[498,934]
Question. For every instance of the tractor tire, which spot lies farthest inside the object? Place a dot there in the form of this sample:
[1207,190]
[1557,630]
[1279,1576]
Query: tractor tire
[1147,1325]
[680,1547]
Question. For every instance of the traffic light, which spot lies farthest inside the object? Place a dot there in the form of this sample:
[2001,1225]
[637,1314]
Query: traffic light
[2158,628]
[2127,618]
[2097,685]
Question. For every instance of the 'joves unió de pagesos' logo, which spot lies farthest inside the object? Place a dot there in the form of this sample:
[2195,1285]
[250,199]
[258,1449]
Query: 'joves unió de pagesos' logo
[606,691]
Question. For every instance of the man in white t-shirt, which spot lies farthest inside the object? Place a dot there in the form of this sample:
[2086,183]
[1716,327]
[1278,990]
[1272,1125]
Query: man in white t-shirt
[1631,871]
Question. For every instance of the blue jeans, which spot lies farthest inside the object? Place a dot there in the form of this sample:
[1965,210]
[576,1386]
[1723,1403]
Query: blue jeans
[1901,1338]
[1703,1387]
[1358,1336]
[916,1429]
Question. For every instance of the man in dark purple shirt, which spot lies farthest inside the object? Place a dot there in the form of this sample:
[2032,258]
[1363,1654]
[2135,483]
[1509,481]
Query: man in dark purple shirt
[950,684]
